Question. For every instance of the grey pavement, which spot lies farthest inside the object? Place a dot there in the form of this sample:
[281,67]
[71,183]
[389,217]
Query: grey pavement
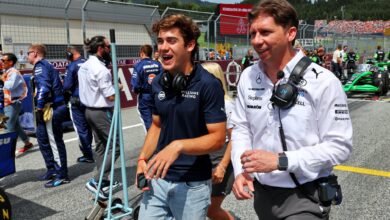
[365,196]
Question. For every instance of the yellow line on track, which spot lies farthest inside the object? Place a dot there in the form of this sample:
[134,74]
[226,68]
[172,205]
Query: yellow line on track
[363,171]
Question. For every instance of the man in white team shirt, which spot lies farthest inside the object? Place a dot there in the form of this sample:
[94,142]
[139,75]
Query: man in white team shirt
[318,131]
[97,93]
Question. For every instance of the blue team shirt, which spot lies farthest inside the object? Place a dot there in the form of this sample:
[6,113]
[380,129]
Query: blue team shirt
[143,74]
[48,84]
[71,81]
[185,116]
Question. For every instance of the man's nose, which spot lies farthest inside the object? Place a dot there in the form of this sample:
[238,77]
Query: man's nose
[257,39]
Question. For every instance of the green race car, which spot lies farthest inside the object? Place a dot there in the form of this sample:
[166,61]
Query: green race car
[371,78]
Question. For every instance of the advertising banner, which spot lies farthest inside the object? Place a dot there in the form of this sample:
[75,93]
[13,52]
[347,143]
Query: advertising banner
[7,153]
[235,22]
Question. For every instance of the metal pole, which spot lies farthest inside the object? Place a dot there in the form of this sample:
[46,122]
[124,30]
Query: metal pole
[208,31]
[215,32]
[67,22]
[247,35]
[165,11]
[83,25]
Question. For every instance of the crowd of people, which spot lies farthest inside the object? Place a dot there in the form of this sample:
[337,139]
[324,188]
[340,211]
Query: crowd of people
[355,27]
[276,142]
[344,59]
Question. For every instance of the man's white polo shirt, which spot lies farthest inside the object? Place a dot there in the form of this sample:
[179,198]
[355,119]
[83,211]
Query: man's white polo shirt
[95,84]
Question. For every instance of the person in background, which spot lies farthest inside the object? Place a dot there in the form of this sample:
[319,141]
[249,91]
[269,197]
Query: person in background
[282,150]
[222,176]
[379,55]
[337,62]
[14,90]
[321,55]
[22,59]
[77,109]
[97,93]
[156,56]
[141,81]
[247,60]
[350,60]
[188,123]
[50,113]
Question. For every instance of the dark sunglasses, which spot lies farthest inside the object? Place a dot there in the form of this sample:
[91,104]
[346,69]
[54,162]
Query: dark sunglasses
[28,53]
[2,60]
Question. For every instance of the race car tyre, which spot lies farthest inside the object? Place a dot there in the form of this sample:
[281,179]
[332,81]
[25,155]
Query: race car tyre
[382,83]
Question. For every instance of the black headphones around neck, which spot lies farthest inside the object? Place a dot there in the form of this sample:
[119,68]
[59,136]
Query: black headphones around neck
[69,55]
[285,95]
[176,83]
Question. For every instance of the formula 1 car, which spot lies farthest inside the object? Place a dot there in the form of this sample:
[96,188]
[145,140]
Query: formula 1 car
[368,78]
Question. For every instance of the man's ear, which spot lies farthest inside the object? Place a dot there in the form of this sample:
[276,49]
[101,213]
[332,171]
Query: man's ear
[191,45]
[291,33]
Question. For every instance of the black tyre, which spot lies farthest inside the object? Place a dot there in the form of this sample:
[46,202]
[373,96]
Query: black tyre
[381,80]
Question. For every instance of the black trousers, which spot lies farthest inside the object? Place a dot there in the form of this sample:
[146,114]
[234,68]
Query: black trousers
[274,203]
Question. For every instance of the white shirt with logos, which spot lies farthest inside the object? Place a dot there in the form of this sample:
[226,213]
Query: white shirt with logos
[318,127]
[95,84]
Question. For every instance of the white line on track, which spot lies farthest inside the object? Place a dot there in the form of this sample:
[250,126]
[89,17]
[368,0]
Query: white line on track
[124,128]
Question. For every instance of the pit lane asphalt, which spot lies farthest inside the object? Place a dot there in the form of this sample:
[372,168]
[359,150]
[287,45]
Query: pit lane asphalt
[365,196]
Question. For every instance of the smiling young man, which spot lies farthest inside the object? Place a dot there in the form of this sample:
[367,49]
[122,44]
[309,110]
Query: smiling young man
[188,123]
[272,143]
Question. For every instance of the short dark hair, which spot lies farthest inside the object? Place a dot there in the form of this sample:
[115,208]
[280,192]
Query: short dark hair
[282,11]
[147,50]
[11,57]
[92,45]
[188,29]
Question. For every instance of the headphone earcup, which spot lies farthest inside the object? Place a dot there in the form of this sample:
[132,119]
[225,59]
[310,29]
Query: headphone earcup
[166,80]
[179,83]
[69,55]
[285,95]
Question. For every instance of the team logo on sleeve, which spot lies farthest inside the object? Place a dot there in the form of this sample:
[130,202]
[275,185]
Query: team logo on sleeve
[161,95]
[150,78]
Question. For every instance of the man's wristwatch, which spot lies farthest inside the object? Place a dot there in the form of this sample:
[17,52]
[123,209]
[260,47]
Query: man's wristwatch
[282,162]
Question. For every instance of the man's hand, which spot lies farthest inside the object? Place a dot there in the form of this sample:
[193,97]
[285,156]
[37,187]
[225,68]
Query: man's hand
[158,166]
[259,161]
[141,168]
[218,174]
[240,182]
